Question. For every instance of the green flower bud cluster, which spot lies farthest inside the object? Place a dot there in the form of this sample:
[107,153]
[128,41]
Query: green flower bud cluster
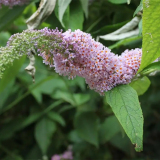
[44,40]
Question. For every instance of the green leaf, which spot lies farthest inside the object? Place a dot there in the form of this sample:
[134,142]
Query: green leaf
[85,6]
[44,131]
[11,72]
[37,95]
[118,1]
[151,32]
[66,96]
[48,87]
[108,129]
[76,17]
[4,36]
[140,85]
[73,137]
[56,117]
[10,15]
[62,6]
[3,11]
[78,81]
[151,68]
[81,98]
[86,127]
[124,102]
[139,8]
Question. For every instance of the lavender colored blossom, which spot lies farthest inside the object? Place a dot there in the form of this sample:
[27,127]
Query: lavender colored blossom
[67,155]
[12,3]
[75,54]
[83,56]
[56,157]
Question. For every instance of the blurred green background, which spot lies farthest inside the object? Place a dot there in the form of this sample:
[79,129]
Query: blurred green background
[46,117]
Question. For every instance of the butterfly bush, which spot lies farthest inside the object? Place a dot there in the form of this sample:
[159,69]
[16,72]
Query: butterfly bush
[12,3]
[75,54]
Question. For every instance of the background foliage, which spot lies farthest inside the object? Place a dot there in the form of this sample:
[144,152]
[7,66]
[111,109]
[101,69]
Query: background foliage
[46,117]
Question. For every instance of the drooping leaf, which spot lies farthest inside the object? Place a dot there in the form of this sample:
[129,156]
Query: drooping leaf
[86,127]
[118,1]
[124,102]
[56,117]
[81,98]
[141,85]
[151,32]
[73,137]
[108,129]
[48,87]
[63,95]
[44,130]
[85,6]
[62,6]
[76,16]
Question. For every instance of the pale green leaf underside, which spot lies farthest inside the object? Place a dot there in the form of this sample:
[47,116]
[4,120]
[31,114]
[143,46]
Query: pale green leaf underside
[151,32]
[62,6]
[85,6]
[124,102]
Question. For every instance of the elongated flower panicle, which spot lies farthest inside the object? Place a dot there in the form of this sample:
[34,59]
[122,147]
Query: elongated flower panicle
[12,3]
[89,59]
[75,54]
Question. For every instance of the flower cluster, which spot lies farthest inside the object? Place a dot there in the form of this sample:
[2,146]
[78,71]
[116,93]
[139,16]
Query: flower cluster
[12,3]
[67,155]
[75,54]
[102,69]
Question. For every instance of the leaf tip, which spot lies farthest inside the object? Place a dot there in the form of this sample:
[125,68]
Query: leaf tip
[138,148]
